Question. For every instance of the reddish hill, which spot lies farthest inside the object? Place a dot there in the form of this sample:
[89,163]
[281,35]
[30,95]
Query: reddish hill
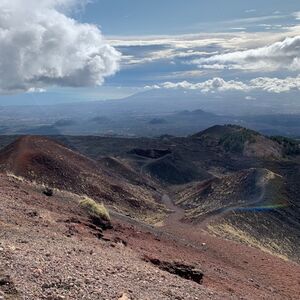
[48,162]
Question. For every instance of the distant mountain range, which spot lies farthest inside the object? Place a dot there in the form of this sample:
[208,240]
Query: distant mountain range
[152,113]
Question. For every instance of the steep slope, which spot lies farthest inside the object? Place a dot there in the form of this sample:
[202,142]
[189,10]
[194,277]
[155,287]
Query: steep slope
[273,224]
[221,194]
[252,206]
[124,170]
[174,169]
[48,249]
[52,164]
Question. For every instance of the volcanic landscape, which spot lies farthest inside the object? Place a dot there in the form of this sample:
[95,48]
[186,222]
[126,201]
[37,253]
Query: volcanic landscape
[214,215]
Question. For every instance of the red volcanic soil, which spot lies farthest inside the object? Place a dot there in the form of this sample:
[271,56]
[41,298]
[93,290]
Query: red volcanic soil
[49,249]
[50,163]
[240,271]
[45,160]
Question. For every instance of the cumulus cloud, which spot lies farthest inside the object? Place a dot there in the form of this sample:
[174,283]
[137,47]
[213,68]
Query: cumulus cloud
[283,55]
[40,45]
[217,84]
[211,85]
[276,85]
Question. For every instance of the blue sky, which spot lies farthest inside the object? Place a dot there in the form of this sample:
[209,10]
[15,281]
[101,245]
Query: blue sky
[140,17]
[195,44]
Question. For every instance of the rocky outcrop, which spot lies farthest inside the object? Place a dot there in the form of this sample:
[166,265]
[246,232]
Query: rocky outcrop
[185,271]
[7,288]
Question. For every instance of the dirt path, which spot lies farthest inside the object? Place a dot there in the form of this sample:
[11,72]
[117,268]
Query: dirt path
[176,214]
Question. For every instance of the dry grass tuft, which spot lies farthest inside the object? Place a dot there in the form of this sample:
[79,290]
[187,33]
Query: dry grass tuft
[94,209]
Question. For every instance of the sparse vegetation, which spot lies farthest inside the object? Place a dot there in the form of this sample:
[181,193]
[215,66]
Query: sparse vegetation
[228,230]
[19,178]
[235,141]
[290,146]
[94,209]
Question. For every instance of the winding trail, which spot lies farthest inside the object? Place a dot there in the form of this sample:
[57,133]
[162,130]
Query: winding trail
[177,213]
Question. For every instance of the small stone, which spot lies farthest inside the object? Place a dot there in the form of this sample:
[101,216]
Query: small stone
[48,192]
[37,272]
[124,297]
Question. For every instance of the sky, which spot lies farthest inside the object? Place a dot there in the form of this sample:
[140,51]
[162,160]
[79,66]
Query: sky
[55,51]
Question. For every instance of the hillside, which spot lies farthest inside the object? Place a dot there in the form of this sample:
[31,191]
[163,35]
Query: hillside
[184,212]
[174,169]
[50,163]
[251,206]
[221,194]
[207,178]
[49,249]
[241,141]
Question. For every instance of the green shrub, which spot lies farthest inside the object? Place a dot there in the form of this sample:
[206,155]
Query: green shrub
[290,146]
[235,141]
[94,209]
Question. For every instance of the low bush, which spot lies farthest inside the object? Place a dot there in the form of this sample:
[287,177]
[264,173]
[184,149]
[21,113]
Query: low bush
[235,141]
[95,210]
[290,146]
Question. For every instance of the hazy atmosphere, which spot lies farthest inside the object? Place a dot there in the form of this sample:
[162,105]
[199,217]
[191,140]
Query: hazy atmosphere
[149,149]
[65,63]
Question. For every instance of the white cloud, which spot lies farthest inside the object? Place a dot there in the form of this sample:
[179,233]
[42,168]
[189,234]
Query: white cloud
[211,85]
[166,54]
[41,46]
[36,90]
[276,85]
[250,98]
[197,48]
[283,55]
[217,84]
[184,74]
[297,15]
[238,28]
[192,41]
[249,11]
